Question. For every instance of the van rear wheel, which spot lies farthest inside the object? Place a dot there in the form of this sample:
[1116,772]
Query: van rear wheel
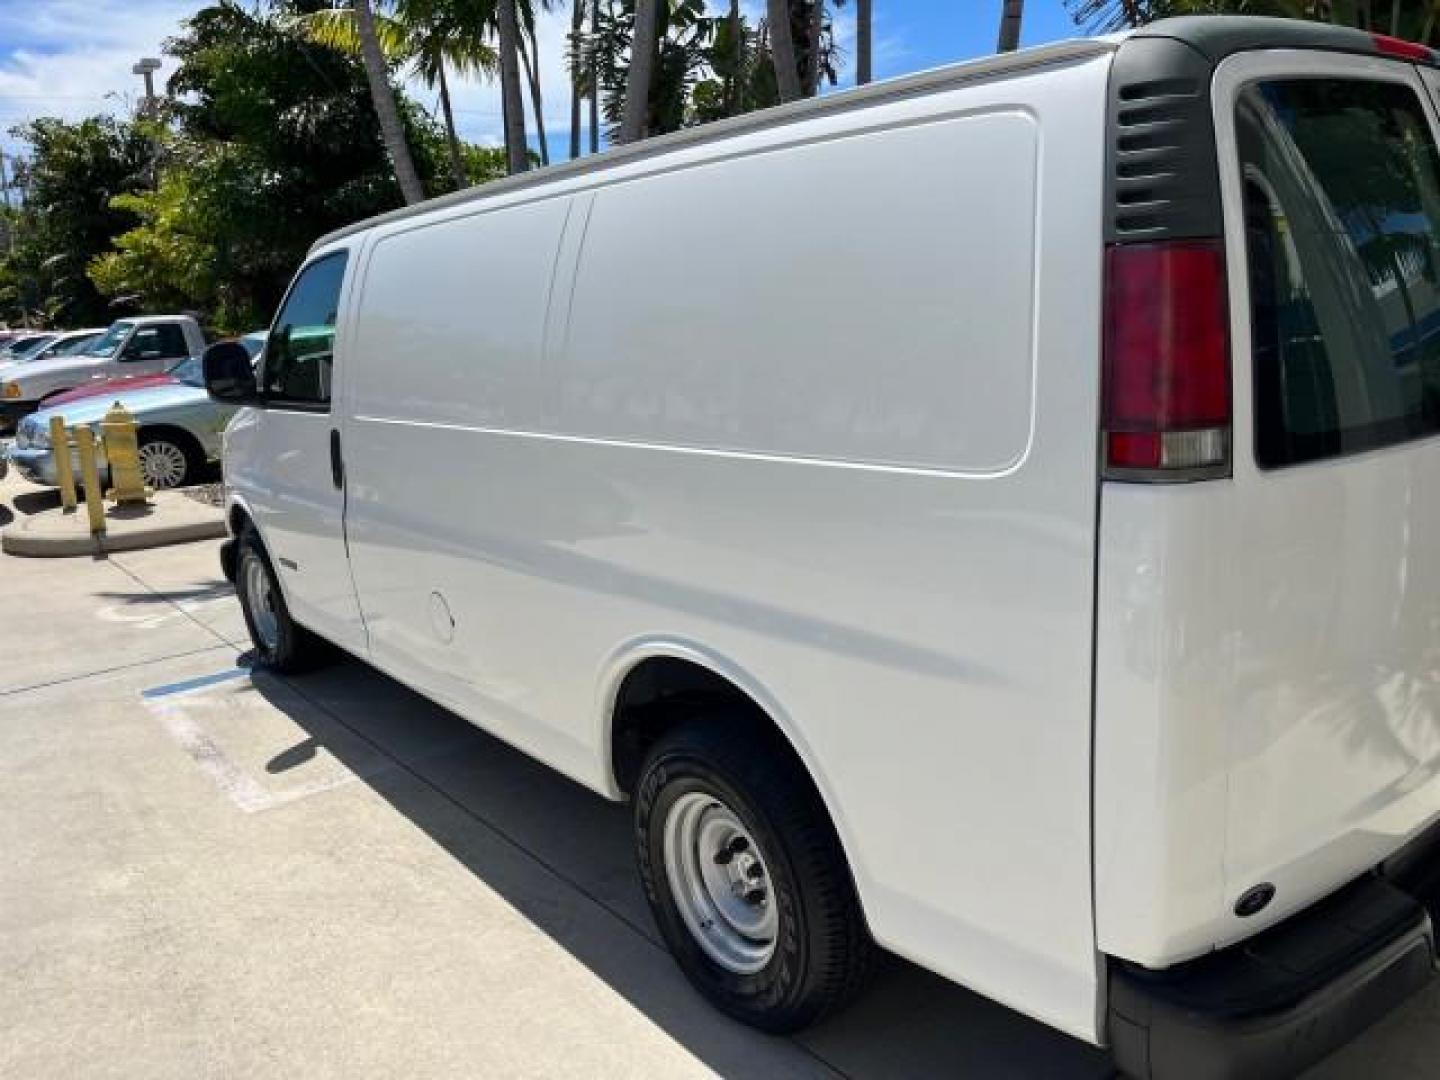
[280,642]
[746,878]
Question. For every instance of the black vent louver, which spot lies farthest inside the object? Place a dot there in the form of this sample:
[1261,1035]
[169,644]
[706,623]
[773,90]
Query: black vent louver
[1163,183]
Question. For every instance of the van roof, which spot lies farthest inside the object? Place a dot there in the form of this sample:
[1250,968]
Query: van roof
[1217,36]
[985,68]
[1211,37]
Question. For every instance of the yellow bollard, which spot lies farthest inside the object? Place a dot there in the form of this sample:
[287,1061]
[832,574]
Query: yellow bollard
[122,451]
[64,464]
[90,473]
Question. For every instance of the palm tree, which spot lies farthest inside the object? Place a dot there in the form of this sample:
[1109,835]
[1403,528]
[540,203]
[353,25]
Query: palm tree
[382,94]
[815,29]
[594,80]
[530,60]
[864,40]
[1010,16]
[577,24]
[517,155]
[737,48]
[430,35]
[782,50]
[642,68]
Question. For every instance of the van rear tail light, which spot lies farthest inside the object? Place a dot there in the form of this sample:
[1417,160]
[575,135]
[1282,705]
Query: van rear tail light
[1166,403]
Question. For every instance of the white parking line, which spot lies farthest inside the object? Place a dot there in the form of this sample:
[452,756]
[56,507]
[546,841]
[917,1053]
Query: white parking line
[178,706]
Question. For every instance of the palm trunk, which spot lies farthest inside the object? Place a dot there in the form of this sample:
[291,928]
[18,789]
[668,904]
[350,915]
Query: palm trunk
[864,40]
[532,75]
[732,85]
[782,50]
[382,94]
[517,155]
[815,28]
[577,23]
[457,159]
[594,78]
[642,64]
[1010,17]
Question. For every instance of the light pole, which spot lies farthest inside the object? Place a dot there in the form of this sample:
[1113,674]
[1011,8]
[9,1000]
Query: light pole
[146,69]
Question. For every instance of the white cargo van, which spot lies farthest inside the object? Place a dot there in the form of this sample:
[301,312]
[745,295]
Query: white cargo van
[991,515]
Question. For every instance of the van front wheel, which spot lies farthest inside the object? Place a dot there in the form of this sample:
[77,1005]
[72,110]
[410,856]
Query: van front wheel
[746,879]
[280,642]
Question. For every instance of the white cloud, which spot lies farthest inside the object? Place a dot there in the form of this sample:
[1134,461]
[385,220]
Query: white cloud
[72,58]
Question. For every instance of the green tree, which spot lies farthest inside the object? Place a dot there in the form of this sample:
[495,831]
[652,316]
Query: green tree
[70,174]
[270,141]
[426,35]
[680,57]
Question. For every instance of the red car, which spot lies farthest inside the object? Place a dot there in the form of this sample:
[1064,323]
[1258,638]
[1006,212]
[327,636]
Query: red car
[111,386]
[252,342]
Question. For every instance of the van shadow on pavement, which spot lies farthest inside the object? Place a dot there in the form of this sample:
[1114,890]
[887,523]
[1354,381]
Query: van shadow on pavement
[561,856]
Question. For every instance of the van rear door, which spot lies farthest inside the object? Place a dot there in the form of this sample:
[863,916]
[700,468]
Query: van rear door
[1332,193]
[1268,672]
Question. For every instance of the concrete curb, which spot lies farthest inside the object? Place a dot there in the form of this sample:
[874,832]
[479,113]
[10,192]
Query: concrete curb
[172,518]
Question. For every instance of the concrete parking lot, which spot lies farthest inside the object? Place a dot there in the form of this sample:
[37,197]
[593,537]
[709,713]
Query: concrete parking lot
[210,871]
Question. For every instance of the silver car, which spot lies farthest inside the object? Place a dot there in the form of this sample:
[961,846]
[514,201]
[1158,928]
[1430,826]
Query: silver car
[179,430]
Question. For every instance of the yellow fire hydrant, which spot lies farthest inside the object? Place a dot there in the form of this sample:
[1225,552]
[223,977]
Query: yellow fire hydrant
[122,452]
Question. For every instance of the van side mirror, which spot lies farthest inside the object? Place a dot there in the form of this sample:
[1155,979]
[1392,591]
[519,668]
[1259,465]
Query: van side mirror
[229,376]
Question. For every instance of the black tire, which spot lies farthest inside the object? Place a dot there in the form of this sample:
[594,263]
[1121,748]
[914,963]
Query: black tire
[293,649]
[184,446]
[823,954]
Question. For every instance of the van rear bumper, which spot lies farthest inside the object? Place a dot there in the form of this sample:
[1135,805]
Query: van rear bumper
[1277,1002]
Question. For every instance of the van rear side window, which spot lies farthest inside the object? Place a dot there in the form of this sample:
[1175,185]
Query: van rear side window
[1342,205]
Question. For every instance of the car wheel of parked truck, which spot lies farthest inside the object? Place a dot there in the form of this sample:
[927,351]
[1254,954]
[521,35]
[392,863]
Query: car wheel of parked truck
[745,875]
[280,642]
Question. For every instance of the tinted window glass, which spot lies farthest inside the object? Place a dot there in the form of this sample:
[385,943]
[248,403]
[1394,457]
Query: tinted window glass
[111,339]
[75,345]
[170,340]
[299,352]
[1342,202]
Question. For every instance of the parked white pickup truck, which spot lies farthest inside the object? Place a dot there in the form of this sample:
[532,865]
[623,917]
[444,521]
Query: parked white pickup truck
[140,346]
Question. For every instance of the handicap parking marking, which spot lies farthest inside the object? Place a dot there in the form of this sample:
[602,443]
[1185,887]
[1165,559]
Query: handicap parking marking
[125,613]
[180,705]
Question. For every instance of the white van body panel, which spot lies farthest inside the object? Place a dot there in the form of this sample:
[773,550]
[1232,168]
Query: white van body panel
[1268,655]
[552,474]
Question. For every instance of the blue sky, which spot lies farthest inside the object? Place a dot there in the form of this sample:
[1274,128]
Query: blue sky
[72,58]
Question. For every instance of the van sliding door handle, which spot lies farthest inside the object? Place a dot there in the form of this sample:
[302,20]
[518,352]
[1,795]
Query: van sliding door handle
[337,463]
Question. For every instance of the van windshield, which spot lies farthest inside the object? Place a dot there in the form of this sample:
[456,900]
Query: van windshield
[1342,223]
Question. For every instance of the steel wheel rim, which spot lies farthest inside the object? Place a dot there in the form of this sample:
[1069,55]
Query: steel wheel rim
[162,464]
[260,598]
[720,882]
